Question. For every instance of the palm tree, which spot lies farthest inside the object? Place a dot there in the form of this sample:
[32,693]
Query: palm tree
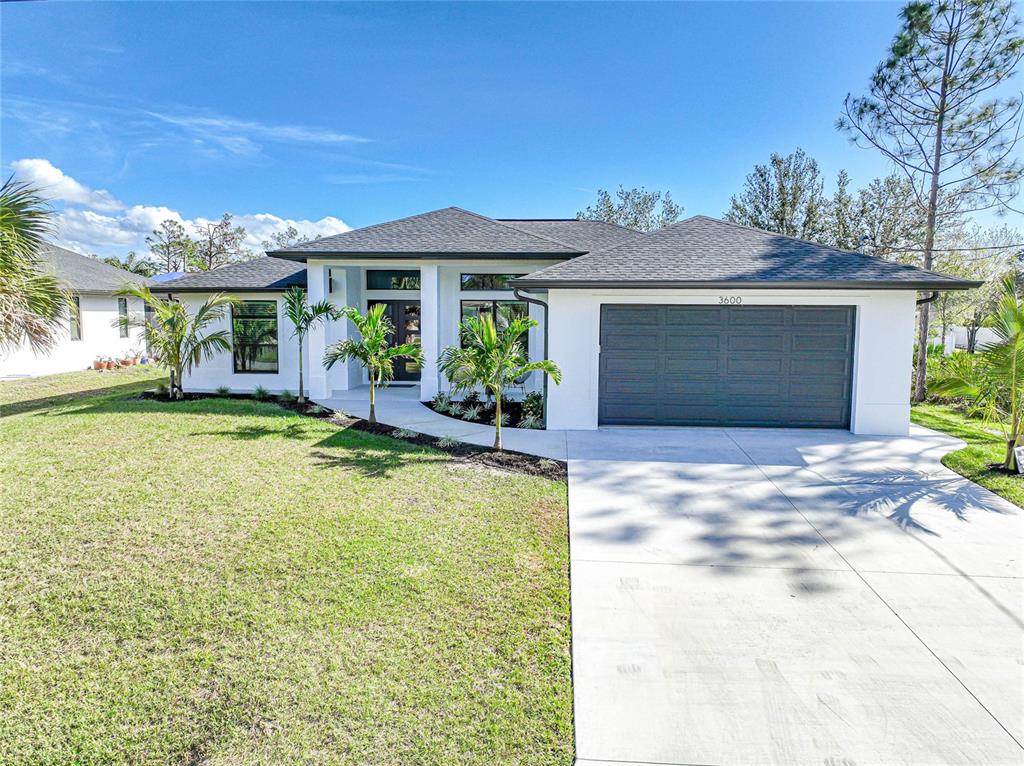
[176,336]
[491,358]
[993,379]
[32,302]
[372,349]
[304,316]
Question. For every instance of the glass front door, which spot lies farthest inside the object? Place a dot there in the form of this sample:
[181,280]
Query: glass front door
[405,316]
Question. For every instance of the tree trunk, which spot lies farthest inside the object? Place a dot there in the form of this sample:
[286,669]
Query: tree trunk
[1010,463]
[972,337]
[179,374]
[171,388]
[921,376]
[497,422]
[302,399]
[373,397]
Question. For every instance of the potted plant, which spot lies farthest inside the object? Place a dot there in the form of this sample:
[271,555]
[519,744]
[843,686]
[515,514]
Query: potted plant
[97,363]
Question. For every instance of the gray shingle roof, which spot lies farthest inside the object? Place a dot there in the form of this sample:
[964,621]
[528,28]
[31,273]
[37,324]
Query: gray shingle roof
[449,231]
[583,235]
[702,252]
[83,274]
[260,273]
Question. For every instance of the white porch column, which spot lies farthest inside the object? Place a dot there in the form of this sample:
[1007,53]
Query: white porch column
[430,329]
[317,289]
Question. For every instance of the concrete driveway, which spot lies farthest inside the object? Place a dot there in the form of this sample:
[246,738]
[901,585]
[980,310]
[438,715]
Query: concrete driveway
[773,596]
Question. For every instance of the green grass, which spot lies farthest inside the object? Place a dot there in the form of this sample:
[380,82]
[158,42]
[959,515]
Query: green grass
[224,582]
[29,394]
[983,447]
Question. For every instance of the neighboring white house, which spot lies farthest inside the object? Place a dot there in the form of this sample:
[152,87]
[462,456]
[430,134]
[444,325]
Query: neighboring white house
[700,323]
[91,332]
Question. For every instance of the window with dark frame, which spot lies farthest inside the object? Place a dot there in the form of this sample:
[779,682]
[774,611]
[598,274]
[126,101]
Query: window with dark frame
[254,336]
[472,282]
[392,279]
[500,311]
[76,318]
[122,316]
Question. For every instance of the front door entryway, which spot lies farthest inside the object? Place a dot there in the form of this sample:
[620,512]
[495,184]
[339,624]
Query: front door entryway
[405,316]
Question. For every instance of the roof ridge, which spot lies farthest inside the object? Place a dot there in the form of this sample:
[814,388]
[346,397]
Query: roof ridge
[361,228]
[521,231]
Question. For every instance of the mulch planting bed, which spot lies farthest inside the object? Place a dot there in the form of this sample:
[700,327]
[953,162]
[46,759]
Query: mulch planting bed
[507,460]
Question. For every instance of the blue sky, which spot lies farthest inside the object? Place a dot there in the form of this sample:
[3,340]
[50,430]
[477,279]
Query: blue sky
[329,113]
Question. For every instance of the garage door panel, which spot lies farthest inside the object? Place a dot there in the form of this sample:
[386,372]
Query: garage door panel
[695,342]
[690,316]
[763,342]
[758,317]
[694,365]
[701,365]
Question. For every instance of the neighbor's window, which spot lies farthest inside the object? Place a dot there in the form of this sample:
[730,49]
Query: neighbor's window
[76,318]
[487,281]
[254,334]
[122,316]
[501,311]
[390,279]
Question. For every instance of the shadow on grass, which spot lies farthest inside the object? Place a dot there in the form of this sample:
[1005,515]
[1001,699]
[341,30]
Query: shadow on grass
[42,403]
[371,455]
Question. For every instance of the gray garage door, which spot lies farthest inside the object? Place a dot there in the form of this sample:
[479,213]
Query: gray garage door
[717,365]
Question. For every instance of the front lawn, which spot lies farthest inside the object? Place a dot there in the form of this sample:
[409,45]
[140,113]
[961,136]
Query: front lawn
[225,582]
[983,447]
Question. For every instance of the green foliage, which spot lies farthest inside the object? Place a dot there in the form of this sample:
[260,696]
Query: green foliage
[992,381]
[455,409]
[403,433]
[504,419]
[161,387]
[635,209]
[784,196]
[471,399]
[492,359]
[223,391]
[316,409]
[178,338]
[304,316]
[533,404]
[934,110]
[373,349]
[447,442]
[260,393]
[472,412]
[286,396]
[440,401]
[33,304]
[531,422]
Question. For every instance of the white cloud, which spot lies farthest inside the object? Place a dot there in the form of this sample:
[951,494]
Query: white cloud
[53,184]
[92,225]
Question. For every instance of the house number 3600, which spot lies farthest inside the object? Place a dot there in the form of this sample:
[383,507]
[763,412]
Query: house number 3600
[729,300]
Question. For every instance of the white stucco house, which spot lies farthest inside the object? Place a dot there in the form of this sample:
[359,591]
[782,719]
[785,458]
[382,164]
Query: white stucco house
[89,332]
[703,322]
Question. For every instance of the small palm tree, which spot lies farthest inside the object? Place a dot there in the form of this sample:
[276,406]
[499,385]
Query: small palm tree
[993,380]
[492,359]
[176,336]
[304,316]
[372,350]
[32,302]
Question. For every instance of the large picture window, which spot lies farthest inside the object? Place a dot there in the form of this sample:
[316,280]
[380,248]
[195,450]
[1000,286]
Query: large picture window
[254,336]
[487,281]
[122,316]
[501,311]
[76,318]
[392,279]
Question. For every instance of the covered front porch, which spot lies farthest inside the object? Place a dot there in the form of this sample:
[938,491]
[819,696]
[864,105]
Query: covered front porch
[426,300]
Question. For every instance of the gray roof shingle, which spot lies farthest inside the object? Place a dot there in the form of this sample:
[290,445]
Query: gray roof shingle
[702,252]
[449,231]
[259,274]
[83,274]
[586,236]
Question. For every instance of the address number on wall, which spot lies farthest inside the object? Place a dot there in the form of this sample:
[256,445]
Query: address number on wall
[729,300]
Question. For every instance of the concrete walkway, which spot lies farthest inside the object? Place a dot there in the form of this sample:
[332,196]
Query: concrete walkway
[400,407]
[765,596]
